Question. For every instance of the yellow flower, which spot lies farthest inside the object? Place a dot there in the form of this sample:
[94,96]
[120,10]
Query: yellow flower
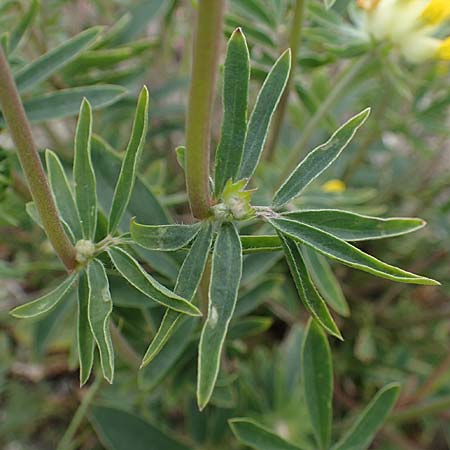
[334,186]
[408,25]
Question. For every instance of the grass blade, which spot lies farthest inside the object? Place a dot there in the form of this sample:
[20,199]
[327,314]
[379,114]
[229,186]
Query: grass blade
[234,123]
[312,300]
[99,310]
[259,123]
[318,160]
[47,302]
[226,275]
[130,269]
[83,173]
[127,177]
[350,226]
[342,251]
[318,382]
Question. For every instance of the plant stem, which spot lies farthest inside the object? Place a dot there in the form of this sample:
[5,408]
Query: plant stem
[343,81]
[65,441]
[20,130]
[417,412]
[294,44]
[206,51]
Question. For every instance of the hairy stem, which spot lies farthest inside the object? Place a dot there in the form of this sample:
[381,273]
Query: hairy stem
[206,51]
[294,44]
[20,130]
[344,80]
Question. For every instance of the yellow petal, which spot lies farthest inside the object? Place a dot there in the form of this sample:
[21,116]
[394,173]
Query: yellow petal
[334,186]
[436,11]
[443,52]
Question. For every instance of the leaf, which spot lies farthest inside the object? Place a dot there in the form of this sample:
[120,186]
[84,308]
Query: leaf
[234,122]
[342,251]
[361,434]
[44,66]
[318,382]
[83,173]
[125,183]
[66,102]
[259,122]
[186,286]
[258,437]
[47,302]
[329,3]
[163,237]
[307,291]
[325,281]
[318,160]
[63,194]
[255,9]
[85,338]
[226,272]
[130,269]
[99,310]
[260,243]
[120,430]
[350,226]
[24,24]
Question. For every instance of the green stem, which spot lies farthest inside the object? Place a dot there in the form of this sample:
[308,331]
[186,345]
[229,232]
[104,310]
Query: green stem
[343,81]
[205,63]
[66,440]
[20,130]
[294,44]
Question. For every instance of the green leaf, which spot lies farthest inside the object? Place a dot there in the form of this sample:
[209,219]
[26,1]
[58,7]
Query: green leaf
[85,338]
[255,10]
[63,194]
[318,160]
[260,243]
[342,251]
[350,226]
[226,272]
[234,122]
[329,3]
[43,67]
[258,437]
[130,269]
[125,183]
[325,281]
[66,102]
[318,382]
[47,302]
[361,434]
[186,286]
[259,122]
[120,430]
[24,24]
[306,290]
[99,310]
[163,237]
[83,173]
[249,326]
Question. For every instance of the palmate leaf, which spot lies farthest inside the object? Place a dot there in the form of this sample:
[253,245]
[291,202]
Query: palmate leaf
[163,237]
[226,272]
[186,286]
[318,160]
[312,300]
[260,119]
[335,248]
[83,173]
[85,338]
[127,176]
[361,434]
[99,310]
[130,269]
[47,302]
[318,382]
[234,123]
[350,226]
[62,192]
[44,66]
[251,433]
